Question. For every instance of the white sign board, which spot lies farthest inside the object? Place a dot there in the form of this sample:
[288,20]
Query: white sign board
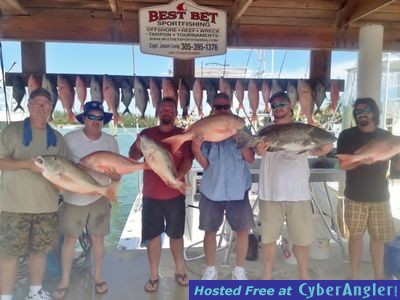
[182,29]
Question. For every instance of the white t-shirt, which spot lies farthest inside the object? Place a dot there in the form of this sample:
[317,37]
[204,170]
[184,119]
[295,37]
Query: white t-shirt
[284,176]
[79,145]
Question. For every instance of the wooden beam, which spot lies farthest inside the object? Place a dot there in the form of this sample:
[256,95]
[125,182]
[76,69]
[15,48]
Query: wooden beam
[355,10]
[115,8]
[238,9]
[320,66]
[12,7]
[105,30]
[33,57]
[184,68]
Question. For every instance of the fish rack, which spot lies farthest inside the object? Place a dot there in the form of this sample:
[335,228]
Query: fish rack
[118,79]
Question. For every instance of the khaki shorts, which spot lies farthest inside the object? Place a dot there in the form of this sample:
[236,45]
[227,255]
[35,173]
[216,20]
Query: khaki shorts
[22,234]
[377,217]
[96,216]
[298,217]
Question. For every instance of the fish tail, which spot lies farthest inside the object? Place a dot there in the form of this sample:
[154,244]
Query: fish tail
[127,111]
[116,119]
[175,141]
[183,187]
[112,191]
[245,139]
[19,107]
[71,117]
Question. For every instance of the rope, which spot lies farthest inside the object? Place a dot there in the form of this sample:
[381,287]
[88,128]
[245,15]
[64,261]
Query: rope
[8,117]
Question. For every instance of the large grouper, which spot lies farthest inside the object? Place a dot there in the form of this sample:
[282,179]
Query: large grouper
[292,137]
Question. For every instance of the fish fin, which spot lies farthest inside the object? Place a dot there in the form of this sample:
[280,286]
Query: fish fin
[175,141]
[245,139]
[112,191]
[347,159]
[301,152]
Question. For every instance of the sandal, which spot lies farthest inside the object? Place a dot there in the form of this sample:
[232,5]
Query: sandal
[98,287]
[153,285]
[61,292]
[181,279]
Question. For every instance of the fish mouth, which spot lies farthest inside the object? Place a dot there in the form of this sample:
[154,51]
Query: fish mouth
[39,161]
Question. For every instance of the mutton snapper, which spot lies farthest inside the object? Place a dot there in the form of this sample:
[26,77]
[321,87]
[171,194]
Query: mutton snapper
[214,128]
[293,137]
[160,161]
[68,176]
[103,161]
[379,149]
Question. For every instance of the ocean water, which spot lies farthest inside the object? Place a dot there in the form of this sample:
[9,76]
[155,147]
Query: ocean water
[128,190]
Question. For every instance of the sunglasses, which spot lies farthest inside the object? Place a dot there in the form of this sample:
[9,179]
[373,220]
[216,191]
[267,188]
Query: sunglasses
[224,107]
[94,117]
[363,111]
[279,105]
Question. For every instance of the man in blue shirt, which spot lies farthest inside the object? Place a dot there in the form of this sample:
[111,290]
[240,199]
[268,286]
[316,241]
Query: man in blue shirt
[224,189]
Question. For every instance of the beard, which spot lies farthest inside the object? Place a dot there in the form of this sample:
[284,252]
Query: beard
[166,120]
[363,122]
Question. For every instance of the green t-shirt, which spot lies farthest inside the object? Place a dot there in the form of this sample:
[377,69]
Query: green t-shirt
[23,191]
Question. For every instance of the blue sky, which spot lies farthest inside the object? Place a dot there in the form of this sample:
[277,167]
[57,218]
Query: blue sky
[81,58]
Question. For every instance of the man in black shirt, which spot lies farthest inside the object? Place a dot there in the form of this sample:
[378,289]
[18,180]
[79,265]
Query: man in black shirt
[367,195]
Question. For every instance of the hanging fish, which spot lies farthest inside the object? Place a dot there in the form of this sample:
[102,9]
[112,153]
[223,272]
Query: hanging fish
[126,95]
[198,96]
[169,89]
[49,85]
[292,93]
[95,90]
[18,92]
[254,99]
[67,96]
[320,95]
[33,83]
[211,90]
[184,97]
[275,87]
[81,90]
[225,87]
[334,94]
[306,99]
[266,94]
[111,95]
[155,92]
[141,96]
[239,89]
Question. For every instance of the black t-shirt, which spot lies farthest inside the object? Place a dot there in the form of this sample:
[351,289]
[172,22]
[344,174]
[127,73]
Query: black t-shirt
[366,183]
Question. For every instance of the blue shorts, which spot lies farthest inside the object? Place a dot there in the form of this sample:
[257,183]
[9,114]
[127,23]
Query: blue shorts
[238,214]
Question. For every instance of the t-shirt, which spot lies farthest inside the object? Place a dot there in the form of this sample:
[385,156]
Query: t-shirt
[24,191]
[153,186]
[284,176]
[366,183]
[227,177]
[79,145]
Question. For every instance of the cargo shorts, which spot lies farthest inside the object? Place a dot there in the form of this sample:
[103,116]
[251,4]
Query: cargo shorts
[22,234]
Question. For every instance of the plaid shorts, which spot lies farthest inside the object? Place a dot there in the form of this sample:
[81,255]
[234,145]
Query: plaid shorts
[377,217]
[22,234]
